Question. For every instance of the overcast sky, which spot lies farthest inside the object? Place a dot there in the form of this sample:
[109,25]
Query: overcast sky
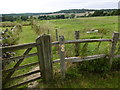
[38,6]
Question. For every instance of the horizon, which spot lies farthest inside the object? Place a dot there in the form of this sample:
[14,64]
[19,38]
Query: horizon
[47,6]
[57,11]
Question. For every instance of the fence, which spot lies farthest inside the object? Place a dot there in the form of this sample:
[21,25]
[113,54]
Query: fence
[44,53]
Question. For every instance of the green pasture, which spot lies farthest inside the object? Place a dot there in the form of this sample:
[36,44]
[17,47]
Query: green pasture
[66,27]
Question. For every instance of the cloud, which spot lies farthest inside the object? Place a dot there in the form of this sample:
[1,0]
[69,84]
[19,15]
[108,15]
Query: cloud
[119,5]
[23,6]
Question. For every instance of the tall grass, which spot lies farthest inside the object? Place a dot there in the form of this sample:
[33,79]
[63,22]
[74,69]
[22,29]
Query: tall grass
[43,28]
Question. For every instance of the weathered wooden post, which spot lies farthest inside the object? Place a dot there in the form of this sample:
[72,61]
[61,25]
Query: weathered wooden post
[113,47]
[48,31]
[56,31]
[62,55]
[45,57]
[99,44]
[77,44]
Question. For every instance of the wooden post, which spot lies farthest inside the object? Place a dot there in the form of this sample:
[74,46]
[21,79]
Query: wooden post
[45,57]
[99,44]
[56,31]
[113,47]
[48,31]
[62,55]
[77,44]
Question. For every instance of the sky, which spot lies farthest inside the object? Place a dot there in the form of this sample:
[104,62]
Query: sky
[41,6]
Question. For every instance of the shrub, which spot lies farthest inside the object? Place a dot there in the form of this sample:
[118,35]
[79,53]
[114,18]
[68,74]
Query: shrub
[98,65]
[10,37]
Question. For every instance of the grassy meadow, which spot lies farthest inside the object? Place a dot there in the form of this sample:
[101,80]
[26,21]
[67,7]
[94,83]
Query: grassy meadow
[75,78]
[105,25]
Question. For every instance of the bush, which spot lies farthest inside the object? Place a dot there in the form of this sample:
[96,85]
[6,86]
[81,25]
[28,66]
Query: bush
[10,37]
[116,64]
[98,65]
[72,72]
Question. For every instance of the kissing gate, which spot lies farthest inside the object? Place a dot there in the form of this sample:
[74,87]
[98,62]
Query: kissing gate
[44,53]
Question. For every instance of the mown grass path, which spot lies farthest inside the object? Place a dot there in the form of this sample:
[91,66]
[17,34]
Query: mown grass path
[27,35]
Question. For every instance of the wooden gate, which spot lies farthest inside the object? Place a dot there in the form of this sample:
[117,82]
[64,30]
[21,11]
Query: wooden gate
[43,45]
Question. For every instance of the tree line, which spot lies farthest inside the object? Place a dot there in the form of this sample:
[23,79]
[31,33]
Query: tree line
[44,17]
[49,17]
[105,13]
[14,18]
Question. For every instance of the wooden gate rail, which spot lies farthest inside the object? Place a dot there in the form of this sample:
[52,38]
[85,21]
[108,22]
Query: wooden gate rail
[23,83]
[24,75]
[18,57]
[17,47]
[20,67]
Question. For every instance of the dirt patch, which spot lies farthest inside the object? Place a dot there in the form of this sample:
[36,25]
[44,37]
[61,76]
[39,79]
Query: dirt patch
[35,83]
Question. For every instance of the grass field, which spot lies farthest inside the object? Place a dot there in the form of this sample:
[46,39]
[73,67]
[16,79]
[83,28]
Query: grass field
[66,27]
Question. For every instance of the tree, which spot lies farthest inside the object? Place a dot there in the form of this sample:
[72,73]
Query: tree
[98,13]
[8,18]
[72,15]
[24,18]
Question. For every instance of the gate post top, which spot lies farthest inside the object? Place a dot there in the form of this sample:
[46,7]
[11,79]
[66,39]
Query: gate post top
[77,31]
[43,35]
[61,37]
[116,32]
[116,35]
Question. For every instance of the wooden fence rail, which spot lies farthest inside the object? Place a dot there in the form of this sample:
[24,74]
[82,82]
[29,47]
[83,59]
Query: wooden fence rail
[18,57]
[31,45]
[18,47]
[44,54]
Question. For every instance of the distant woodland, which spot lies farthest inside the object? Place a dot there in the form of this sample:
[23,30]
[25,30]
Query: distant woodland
[65,14]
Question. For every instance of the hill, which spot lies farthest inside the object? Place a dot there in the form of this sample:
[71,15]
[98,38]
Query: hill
[61,11]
